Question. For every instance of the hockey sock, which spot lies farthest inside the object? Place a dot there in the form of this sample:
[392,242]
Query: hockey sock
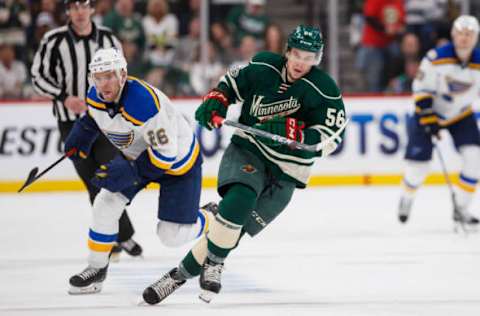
[107,209]
[415,174]
[469,175]
[465,190]
[234,210]
[191,265]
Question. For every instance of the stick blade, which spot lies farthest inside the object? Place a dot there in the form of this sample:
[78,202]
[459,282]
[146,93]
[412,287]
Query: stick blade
[30,179]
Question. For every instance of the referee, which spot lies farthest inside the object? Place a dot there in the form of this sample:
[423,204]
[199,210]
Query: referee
[60,72]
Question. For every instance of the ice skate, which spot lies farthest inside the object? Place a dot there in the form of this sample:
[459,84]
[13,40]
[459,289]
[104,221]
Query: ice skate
[210,280]
[211,207]
[130,246]
[465,221]
[404,208]
[89,281]
[162,288]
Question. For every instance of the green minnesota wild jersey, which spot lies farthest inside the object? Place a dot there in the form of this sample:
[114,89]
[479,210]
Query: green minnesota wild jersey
[264,91]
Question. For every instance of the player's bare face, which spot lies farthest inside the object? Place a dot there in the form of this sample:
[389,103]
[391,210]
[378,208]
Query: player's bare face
[299,63]
[464,41]
[80,14]
[107,84]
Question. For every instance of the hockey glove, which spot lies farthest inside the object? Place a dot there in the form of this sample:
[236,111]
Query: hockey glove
[429,121]
[287,127]
[117,175]
[81,137]
[214,103]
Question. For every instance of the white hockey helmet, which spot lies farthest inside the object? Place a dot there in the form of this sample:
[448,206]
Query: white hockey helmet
[107,59]
[466,22]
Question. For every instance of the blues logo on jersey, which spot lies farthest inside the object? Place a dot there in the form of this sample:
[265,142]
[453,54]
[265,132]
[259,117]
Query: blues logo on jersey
[121,140]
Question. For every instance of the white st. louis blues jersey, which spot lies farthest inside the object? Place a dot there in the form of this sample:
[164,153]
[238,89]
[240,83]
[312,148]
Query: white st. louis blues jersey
[453,86]
[145,119]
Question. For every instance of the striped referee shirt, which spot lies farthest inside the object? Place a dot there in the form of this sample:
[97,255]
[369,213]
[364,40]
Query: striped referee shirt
[60,66]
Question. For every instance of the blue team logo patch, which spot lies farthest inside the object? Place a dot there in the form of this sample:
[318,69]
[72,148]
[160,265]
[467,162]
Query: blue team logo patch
[456,86]
[121,140]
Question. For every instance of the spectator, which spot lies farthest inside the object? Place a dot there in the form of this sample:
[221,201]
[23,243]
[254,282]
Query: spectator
[248,48]
[187,47]
[403,82]
[410,49]
[274,39]
[384,21]
[426,18]
[203,79]
[161,30]
[102,8]
[51,8]
[44,23]
[126,24]
[249,19]
[222,42]
[357,22]
[13,74]
[186,11]
[14,19]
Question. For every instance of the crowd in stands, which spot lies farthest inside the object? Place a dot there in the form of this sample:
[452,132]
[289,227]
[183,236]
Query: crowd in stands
[391,37]
[161,39]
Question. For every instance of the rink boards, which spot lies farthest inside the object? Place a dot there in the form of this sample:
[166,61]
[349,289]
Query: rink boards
[371,153]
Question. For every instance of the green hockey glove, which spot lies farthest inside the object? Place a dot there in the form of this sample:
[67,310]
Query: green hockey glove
[287,127]
[214,103]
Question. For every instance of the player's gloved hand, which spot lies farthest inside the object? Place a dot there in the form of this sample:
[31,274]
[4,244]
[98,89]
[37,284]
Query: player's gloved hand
[288,127]
[81,138]
[429,121]
[117,175]
[214,103]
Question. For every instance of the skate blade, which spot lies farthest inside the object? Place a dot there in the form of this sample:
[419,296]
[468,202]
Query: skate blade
[141,302]
[115,257]
[91,289]
[206,296]
[465,228]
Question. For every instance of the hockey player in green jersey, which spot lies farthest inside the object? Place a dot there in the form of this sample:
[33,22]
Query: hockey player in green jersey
[281,94]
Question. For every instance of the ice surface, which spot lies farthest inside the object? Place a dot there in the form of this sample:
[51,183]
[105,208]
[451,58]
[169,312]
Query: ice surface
[334,251]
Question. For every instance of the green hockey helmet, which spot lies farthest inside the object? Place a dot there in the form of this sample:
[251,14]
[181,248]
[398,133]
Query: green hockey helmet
[307,38]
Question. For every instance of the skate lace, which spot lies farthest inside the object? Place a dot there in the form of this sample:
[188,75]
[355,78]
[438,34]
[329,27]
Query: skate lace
[213,272]
[211,207]
[88,273]
[165,286]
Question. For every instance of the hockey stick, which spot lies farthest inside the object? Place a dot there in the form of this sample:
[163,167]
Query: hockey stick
[456,211]
[32,176]
[218,120]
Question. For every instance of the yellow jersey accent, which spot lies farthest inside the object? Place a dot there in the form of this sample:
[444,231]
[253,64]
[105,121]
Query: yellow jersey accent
[187,166]
[130,118]
[457,118]
[156,161]
[444,61]
[428,119]
[96,104]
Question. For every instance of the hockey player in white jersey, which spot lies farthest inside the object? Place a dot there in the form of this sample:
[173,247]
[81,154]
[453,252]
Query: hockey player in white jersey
[445,88]
[157,144]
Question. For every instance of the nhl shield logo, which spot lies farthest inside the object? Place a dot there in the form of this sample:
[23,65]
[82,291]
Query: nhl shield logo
[249,169]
